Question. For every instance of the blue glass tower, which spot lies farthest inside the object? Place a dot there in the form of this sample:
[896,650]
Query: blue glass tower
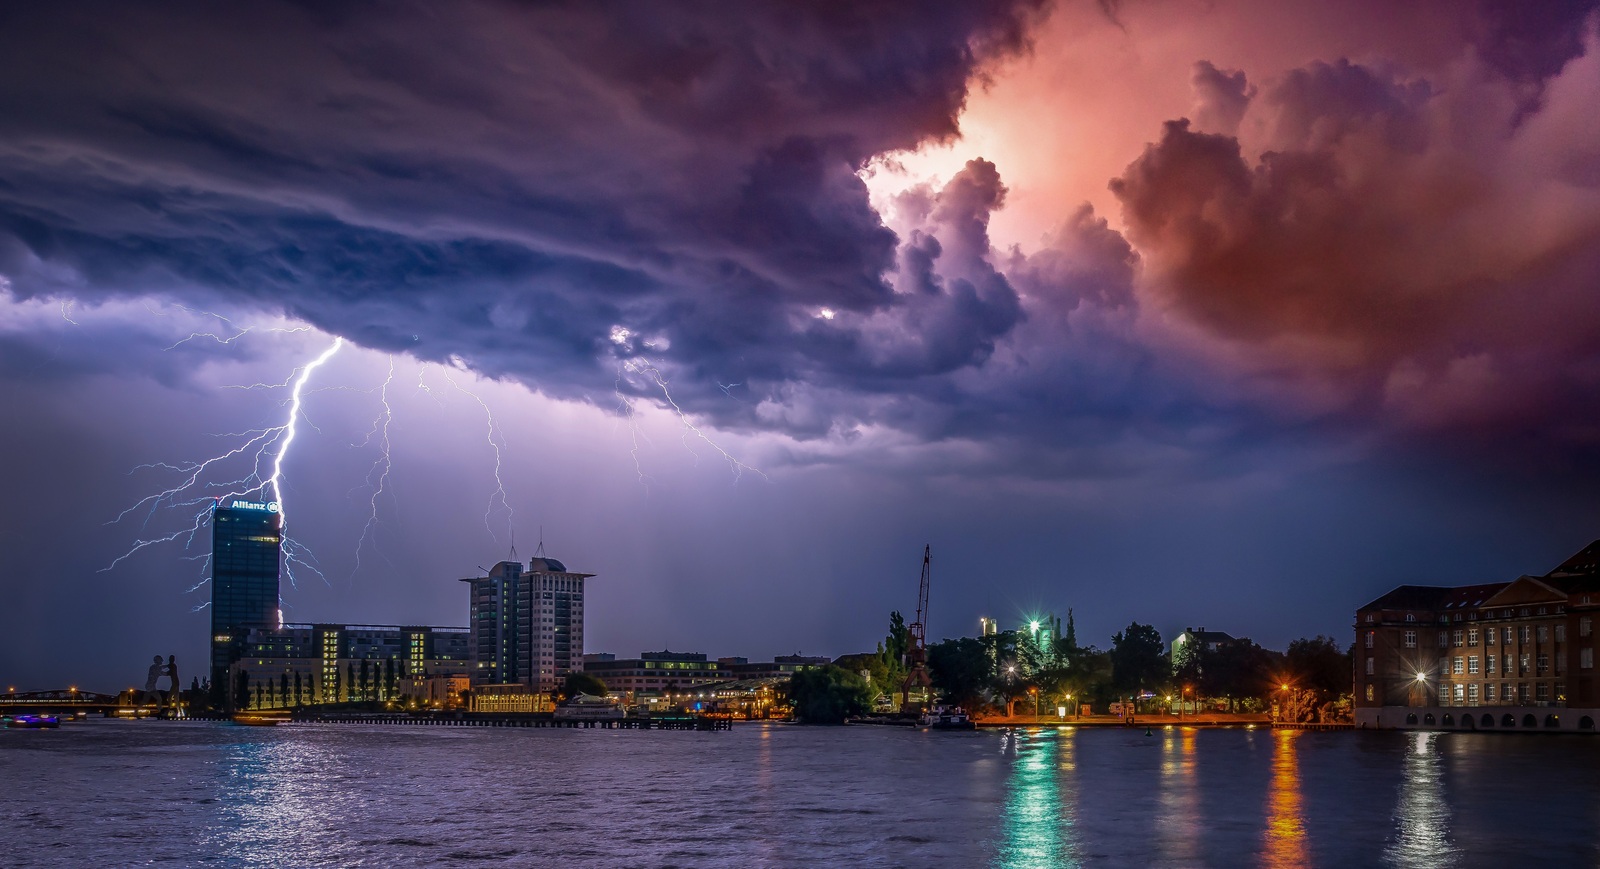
[245,548]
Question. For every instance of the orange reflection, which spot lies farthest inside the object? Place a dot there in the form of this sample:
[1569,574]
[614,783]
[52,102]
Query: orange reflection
[1286,827]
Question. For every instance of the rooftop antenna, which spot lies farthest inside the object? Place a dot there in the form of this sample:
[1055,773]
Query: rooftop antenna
[539,553]
[513,555]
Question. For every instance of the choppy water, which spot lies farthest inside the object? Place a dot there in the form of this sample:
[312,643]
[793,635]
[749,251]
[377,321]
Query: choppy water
[132,793]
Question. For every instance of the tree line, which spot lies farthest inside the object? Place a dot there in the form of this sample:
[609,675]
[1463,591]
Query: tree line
[1015,672]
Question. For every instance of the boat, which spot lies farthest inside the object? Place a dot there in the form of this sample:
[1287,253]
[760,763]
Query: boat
[588,707]
[946,718]
[33,722]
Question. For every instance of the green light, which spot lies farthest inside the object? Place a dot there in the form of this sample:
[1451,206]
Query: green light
[1033,626]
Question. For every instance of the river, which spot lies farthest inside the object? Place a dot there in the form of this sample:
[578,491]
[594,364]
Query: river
[117,793]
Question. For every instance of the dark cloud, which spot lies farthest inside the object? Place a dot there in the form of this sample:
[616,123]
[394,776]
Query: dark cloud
[507,183]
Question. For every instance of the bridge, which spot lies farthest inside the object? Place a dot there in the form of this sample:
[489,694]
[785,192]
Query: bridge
[57,701]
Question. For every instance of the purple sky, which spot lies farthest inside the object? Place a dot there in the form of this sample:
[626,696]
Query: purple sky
[1228,314]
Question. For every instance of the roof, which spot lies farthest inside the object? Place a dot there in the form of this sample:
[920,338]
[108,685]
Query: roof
[1586,561]
[540,564]
[1434,597]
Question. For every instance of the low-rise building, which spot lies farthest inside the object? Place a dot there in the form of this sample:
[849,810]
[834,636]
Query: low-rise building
[1504,655]
[307,664]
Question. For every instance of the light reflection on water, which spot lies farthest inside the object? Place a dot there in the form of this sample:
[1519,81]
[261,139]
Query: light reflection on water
[1286,826]
[114,793]
[1422,817]
[1037,826]
[1178,825]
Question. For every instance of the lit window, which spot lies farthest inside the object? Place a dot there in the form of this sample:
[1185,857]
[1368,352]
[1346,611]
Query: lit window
[1369,692]
[1489,662]
[1472,694]
[1472,664]
[1460,693]
[1472,637]
[1488,693]
[1455,666]
[1369,639]
[1411,639]
[1457,639]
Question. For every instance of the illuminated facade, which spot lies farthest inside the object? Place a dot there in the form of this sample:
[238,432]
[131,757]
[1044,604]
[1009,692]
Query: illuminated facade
[245,550]
[526,624]
[330,663]
[1507,655]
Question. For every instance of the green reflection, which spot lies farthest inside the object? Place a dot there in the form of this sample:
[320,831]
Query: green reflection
[1038,821]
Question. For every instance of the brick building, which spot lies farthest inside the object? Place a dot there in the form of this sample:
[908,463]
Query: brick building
[1505,655]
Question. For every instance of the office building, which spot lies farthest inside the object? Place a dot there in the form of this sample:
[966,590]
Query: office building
[526,624]
[1497,656]
[245,550]
[309,664]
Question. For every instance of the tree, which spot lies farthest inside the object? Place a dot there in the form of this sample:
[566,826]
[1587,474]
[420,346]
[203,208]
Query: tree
[366,678]
[1138,661]
[899,639]
[962,670]
[390,679]
[241,690]
[1240,670]
[334,689]
[283,693]
[1319,665]
[297,688]
[584,683]
[1069,639]
[828,695]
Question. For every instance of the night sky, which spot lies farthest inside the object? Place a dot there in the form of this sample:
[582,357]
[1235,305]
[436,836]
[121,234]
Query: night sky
[1232,314]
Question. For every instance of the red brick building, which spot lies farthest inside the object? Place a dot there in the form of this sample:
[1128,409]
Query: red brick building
[1501,656]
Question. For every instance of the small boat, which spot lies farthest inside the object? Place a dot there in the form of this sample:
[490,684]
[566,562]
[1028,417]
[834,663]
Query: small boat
[588,707]
[33,722]
[946,718]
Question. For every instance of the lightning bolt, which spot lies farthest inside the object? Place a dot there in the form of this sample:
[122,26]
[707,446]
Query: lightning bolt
[645,368]
[381,465]
[499,492]
[260,447]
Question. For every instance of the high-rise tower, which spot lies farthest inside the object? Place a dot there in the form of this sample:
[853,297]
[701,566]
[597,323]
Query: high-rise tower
[245,548]
[527,624]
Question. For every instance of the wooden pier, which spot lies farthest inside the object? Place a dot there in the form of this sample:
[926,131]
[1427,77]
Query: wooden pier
[502,719]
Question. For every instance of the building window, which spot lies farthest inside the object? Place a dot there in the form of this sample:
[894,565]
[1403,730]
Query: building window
[1489,636]
[1472,637]
[1369,618]
[1411,639]
[1472,694]
[1508,631]
[1525,634]
[1472,664]
[1455,666]
[1369,666]
[1586,658]
[1444,666]
[1543,611]
[1369,692]
[1522,665]
[1457,639]
[1459,692]
[1369,639]
[1489,662]
[1585,626]
[1444,639]
[1542,692]
[1543,664]
[1410,617]
[1561,633]
[1544,633]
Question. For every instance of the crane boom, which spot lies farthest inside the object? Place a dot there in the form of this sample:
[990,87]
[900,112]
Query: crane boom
[916,636]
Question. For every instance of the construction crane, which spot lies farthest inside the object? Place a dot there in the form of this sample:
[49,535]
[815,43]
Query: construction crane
[916,658]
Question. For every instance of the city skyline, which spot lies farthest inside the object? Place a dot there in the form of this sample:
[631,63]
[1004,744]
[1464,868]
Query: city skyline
[1234,314]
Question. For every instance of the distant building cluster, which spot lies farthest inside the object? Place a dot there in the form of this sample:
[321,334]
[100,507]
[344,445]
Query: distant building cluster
[523,639]
[1498,656]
